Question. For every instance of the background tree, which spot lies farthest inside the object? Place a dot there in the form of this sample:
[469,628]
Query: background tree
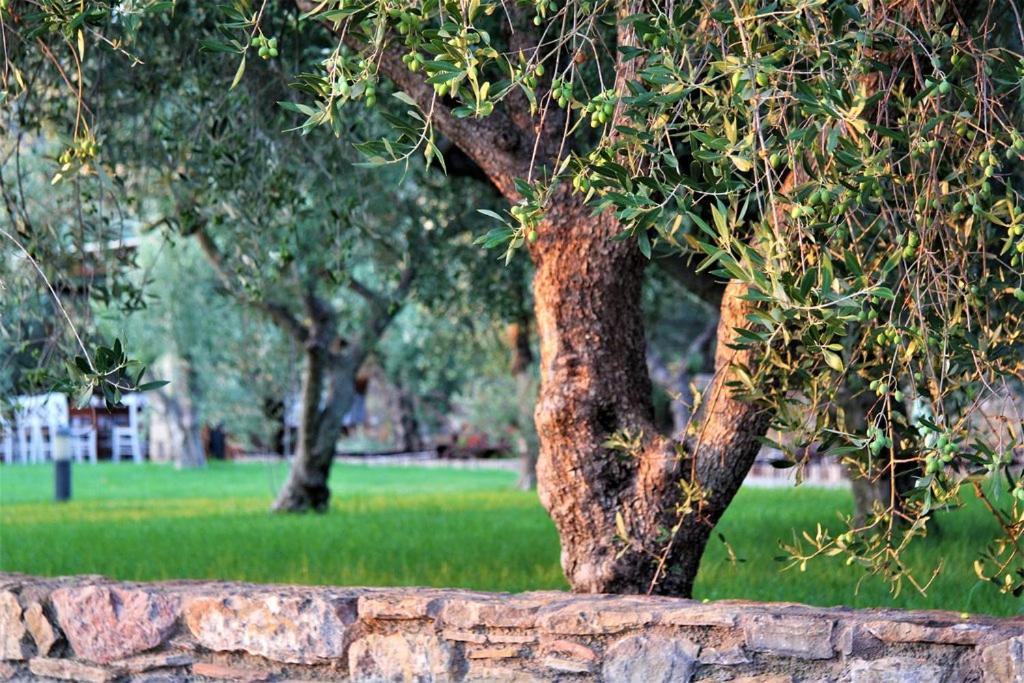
[329,253]
[284,220]
[339,270]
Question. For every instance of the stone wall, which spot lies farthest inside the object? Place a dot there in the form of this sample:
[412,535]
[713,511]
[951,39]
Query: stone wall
[93,629]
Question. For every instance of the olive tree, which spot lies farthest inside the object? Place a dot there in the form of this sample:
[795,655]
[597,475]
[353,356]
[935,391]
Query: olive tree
[328,253]
[852,197]
[841,177]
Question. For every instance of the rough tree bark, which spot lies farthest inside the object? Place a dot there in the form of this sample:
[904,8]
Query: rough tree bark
[594,384]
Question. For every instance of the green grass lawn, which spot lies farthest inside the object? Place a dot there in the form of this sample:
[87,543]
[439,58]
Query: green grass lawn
[418,526]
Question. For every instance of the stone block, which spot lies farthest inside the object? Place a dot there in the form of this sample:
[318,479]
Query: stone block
[224,672]
[693,613]
[594,615]
[569,648]
[855,639]
[893,631]
[293,628]
[1003,662]
[494,652]
[70,670]
[512,638]
[470,611]
[483,670]
[895,670]
[572,666]
[464,636]
[13,643]
[143,663]
[650,659]
[7,671]
[401,657]
[106,623]
[398,604]
[789,635]
[41,629]
[723,656]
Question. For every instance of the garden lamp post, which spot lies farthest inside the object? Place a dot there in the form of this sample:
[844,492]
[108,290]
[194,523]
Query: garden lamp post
[62,465]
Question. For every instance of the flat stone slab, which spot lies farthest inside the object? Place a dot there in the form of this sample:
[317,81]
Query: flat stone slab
[104,623]
[291,628]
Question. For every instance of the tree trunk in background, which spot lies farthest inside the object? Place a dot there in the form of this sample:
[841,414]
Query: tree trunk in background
[677,384]
[329,375]
[875,491]
[517,336]
[274,414]
[527,448]
[407,425]
[328,390]
[174,422]
[594,385]
[866,493]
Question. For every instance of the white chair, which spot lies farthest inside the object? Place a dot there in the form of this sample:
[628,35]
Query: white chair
[56,415]
[26,432]
[37,419]
[24,445]
[83,444]
[125,442]
[125,439]
[6,442]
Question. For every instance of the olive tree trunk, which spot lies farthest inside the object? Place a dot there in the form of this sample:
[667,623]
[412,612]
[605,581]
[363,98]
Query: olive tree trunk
[329,374]
[407,426]
[595,386]
[328,391]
